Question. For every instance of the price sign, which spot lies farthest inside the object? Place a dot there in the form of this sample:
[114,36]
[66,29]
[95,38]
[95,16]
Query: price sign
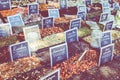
[108,25]
[63,4]
[15,20]
[105,7]
[53,13]
[106,38]
[19,50]
[104,0]
[106,54]
[58,54]
[116,6]
[103,17]
[32,33]
[71,35]
[33,9]
[82,8]
[54,75]
[75,23]
[81,15]
[5,4]
[47,22]
[88,3]
[5,30]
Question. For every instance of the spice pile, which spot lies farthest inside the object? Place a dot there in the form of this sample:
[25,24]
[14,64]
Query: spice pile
[73,66]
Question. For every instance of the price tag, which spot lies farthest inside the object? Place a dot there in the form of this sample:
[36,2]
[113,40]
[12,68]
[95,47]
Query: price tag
[106,54]
[33,9]
[42,1]
[19,50]
[81,15]
[32,33]
[105,7]
[47,22]
[103,17]
[82,8]
[5,30]
[116,6]
[58,54]
[15,20]
[108,26]
[71,35]
[88,3]
[53,13]
[54,75]
[5,4]
[63,4]
[106,38]
[75,23]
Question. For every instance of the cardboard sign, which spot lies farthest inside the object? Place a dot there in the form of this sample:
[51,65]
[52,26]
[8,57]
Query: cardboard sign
[82,8]
[71,35]
[33,9]
[5,30]
[54,75]
[75,23]
[19,50]
[88,3]
[108,26]
[32,33]
[81,15]
[106,54]
[47,22]
[15,20]
[106,39]
[58,54]
[5,4]
[103,17]
[53,13]
[105,7]
[63,4]
[116,6]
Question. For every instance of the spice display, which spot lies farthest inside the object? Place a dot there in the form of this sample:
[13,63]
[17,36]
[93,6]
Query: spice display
[8,40]
[10,69]
[73,66]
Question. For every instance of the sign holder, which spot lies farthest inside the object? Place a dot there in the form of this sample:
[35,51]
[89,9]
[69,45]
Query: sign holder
[56,55]
[76,22]
[107,52]
[52,76]
[18,47]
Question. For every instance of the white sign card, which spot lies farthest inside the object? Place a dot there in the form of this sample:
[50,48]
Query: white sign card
[71,35]
[108,25]
[106,38]
[32,33]
[5,30]
[106,54]
[116,6]
[103,17]
[19,50]
[47,22]
[58,53]
[63,4]
[88,3]
[53,13]
[82,8]
[81,15]
[105,7]
[15,20]
[54,75]
[5,4]
[75,23]
[41,1]
[33,8]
